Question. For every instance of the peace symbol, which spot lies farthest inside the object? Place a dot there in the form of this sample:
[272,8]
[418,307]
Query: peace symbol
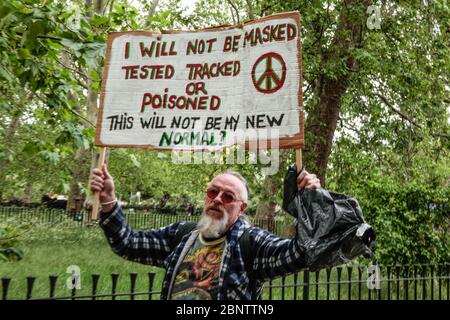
[269,81]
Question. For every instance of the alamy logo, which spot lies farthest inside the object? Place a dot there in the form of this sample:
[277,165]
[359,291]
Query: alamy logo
[74,281]
[373,277]
[374,20]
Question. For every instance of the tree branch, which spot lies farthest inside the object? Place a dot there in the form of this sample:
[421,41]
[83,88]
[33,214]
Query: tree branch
[406,118]
[251,13]
[235,9]
[398,112]
[72,111]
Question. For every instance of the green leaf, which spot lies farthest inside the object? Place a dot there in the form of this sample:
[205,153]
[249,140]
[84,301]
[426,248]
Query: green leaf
[98,20]
[135,162]
[35,29]
[94,75]
[5,74]
[95,86]
[75,46]
[52,157]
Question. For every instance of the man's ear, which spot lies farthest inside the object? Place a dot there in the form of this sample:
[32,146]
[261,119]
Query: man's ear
[243,207]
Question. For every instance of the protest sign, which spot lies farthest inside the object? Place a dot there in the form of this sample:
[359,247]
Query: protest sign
[203,90]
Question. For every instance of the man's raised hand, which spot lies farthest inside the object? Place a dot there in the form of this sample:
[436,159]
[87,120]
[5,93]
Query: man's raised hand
[103,182]
[306,180]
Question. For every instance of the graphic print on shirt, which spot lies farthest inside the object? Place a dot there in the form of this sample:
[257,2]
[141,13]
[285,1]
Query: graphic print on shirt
[198,275]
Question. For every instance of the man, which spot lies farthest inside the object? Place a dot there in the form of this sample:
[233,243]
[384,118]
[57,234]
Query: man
[209,262]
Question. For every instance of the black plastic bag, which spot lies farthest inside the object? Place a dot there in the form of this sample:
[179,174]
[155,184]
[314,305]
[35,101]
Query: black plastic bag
[330,226]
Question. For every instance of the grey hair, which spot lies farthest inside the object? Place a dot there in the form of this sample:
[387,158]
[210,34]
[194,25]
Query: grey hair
[242,179]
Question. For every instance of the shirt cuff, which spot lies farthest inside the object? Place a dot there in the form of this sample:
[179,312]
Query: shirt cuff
[106,217]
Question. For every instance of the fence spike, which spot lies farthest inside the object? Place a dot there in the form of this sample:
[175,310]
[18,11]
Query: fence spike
[424,282]
[95,279]
[397,271]
[339,271]
[5,286]
[52,279]
[114,278]
[415,281]
[30,283]
[359,282]
[349,276]
[440,280]
[133,277]
[328,283]
[306,285]
[295,285]
[151,278]
[389,282]
[317,284]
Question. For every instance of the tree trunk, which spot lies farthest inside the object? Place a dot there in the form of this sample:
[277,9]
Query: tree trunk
[28,192]
[9,141]
[265,215]
[323,116]
[83,157]
[151,12]
[266,209]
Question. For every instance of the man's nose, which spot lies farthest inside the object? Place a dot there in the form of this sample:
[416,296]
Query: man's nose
[218,198]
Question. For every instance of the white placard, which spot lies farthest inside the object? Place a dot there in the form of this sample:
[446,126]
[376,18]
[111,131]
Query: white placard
[205,89]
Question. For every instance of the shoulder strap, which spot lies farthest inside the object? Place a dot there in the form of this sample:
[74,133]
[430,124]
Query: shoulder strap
[183,230]
[247,253]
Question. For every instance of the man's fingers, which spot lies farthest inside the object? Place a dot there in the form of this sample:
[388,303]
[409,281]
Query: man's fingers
[106,172]
[301,179]
[96,188]
[313,184]
[97,172]
[97,185]
[98,179]
[308,181]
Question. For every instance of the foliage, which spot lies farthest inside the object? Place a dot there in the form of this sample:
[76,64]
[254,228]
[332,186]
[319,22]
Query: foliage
[9,241]
[390,147]
[412,220]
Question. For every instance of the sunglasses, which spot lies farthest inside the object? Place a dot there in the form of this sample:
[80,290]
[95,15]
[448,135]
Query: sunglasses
[226,197]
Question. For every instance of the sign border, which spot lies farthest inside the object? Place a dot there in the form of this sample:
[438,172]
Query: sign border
[295,142]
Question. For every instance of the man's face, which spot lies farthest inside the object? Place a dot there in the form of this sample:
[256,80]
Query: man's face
[227,205]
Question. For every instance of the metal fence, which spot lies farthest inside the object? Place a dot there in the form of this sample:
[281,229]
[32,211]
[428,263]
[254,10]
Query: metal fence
[136,219]
[399,282]
[406,282]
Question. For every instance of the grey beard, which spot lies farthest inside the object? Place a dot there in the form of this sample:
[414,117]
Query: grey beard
[212,228]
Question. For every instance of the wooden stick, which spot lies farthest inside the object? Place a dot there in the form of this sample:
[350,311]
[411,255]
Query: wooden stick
[96,203]
[298,159]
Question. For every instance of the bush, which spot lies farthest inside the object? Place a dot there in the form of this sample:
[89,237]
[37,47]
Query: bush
[9,238]
[411,221]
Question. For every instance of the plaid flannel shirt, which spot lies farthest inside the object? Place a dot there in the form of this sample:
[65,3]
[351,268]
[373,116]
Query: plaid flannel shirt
[273,256]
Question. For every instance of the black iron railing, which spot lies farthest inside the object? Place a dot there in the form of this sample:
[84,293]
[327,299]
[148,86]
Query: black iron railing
[405,282]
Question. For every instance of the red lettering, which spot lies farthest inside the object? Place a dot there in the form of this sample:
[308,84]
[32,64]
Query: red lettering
[210,43]
[200,86]
[273,32]
[147,51]
[227,44]
[266,33]
[130,72]
[170,71]
[248,37]
[146,100]
[281,31]
[291,31]
[215,103]
[202,102]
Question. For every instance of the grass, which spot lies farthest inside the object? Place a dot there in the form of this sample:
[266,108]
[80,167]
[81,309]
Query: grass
[50,247]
